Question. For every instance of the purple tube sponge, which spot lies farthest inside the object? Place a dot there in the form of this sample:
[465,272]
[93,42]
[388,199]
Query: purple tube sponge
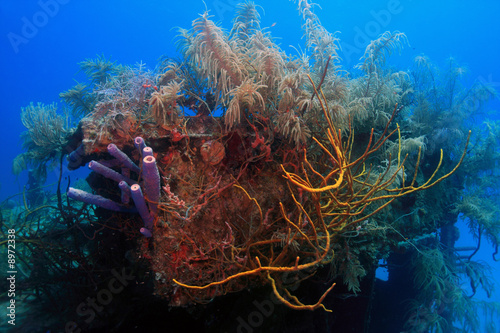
[140,204]
[126,172]
[146,232]
[75,158]
[111,163]
[123,158]
[151,178]
[97,200]
[109,173]
[139,143]
[125,192]
[147,151]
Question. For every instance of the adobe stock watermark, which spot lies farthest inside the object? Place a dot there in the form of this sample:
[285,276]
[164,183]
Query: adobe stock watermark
[371,30]
[489,81]
[31,26]
[472,102]
[91,305]
[222,7]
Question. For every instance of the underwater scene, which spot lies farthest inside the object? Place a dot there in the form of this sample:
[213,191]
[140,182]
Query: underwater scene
[266,166]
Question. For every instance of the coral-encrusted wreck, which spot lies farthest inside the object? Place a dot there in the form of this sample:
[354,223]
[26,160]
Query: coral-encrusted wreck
[263,163]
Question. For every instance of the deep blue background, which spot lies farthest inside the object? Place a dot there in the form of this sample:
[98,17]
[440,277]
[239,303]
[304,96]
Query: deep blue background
[132,31]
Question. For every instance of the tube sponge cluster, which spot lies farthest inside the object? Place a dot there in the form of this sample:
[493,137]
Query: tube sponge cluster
[151,182]
[145,198]
[97,200]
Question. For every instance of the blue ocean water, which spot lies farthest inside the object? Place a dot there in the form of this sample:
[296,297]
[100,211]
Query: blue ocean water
[43,41]
[36,68]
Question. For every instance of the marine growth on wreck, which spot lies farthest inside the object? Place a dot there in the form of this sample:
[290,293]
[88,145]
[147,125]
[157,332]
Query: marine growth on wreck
[240,167]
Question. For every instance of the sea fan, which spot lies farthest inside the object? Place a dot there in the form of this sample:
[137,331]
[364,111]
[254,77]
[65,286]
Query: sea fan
[246,96]
[217,60]
[99,69]
[247,22]
[80,99]
[47,129]
[267,61]
[322,44]
[379,49]
[163,103]
[289,90]
[408,146]
[293,127]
